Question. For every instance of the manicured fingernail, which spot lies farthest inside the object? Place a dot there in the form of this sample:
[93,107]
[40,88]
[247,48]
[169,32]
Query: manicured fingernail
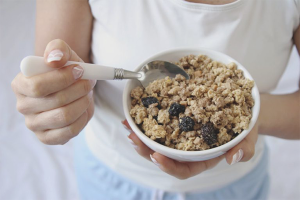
[90,95]
[154,161]
[93,83]
[237,157]
[123,123]
[132,143]
[77,72]
[55,55]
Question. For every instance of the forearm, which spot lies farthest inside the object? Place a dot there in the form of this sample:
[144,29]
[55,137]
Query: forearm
[70,21]
[280,115]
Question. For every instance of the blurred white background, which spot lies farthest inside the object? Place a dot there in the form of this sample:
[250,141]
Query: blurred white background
[33,171]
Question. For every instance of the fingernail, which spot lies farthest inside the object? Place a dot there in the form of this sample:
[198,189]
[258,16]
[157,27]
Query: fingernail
[154,161]
[77,72]
[90,95]
[93,83]
[237,157]
[123,123]
[132,143]
[55,55]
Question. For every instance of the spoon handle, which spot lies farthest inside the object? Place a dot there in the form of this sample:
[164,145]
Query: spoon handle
[34,65]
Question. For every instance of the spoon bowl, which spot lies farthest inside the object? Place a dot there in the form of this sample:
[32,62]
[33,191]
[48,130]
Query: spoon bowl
[155,70]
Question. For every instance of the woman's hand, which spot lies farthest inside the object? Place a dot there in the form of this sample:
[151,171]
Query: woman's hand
[57,105]
[242,152]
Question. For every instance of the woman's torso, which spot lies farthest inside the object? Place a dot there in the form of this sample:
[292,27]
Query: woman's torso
[257,33]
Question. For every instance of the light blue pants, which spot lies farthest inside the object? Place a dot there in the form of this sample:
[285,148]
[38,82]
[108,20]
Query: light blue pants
[96,181]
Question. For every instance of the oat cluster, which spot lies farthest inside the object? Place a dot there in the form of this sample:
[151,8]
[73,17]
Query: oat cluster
[206,111]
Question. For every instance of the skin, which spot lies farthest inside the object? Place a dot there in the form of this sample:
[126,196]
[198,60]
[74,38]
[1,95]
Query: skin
[55,113]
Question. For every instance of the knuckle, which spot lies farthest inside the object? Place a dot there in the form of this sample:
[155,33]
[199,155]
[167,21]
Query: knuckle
[13,85]
[58,42]
[36,89]
[40,136]
[87,100]
[64,116]
[63,142]
[50,138]
[72,132]
[182,177]
[61,99]
[46,139]
[65,78]
[30,124]
[22,108]
[85,117]
[91,111]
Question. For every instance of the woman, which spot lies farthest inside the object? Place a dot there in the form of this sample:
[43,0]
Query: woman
[122,33]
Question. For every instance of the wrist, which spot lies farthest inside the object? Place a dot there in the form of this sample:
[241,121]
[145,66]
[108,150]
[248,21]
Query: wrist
[261,117]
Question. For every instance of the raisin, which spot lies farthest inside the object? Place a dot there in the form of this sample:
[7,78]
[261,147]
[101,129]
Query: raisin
[175,109]
[186,124]
[209,133]
[147,101]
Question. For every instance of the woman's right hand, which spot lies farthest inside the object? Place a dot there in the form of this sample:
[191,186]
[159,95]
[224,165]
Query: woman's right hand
[57,105]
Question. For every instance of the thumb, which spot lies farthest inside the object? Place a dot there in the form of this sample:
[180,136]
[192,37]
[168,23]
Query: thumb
[245,150]
[58,52]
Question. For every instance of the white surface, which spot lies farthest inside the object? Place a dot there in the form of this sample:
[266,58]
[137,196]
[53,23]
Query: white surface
[31,170]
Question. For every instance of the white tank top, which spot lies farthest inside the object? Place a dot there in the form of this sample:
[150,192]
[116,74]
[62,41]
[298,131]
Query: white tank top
[257,33]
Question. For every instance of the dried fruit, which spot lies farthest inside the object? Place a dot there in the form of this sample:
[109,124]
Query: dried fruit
[175,109]
[186,124]
[148,101]
[209,133]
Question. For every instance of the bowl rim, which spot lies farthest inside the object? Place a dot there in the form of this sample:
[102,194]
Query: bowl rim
[224,147]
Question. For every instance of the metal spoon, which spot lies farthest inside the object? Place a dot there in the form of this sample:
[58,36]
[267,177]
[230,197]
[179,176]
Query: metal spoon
[34,65]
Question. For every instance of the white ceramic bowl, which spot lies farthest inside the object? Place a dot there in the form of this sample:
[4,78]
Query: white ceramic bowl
[173,56]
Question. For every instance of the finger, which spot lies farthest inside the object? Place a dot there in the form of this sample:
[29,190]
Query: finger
[141,148]
[29,105]
[59,117]
[126,125]
[90,110]
[58,52]
[63,135]
[47,83]
[243,151]
[21,105]
[183,170]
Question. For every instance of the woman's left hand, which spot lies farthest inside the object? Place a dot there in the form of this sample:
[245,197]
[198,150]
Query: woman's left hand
[242,152]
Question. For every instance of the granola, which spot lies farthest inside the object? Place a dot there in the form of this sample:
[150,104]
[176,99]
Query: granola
[207,111]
